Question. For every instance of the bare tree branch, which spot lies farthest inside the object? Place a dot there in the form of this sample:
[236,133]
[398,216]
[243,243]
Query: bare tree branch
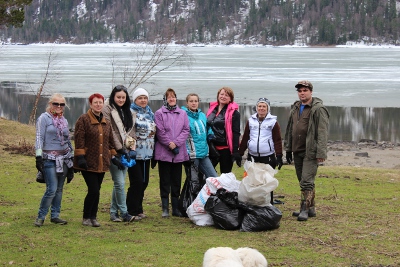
[47,77]
[150,60]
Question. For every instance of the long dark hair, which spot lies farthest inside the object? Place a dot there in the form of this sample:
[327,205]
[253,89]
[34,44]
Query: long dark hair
[125,111]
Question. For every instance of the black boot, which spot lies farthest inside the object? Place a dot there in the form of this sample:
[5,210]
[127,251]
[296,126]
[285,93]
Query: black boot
[175,209]
[165,207]
[306,202]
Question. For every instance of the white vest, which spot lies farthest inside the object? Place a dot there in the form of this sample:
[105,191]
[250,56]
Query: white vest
[260,143]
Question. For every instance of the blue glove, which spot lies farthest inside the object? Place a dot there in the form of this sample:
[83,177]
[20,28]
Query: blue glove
[127,163]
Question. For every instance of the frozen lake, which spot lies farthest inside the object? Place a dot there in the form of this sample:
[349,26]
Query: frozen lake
[349,77]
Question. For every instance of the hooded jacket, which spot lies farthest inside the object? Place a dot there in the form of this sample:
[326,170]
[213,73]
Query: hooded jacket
[196,144]
[317,131]
[172,126]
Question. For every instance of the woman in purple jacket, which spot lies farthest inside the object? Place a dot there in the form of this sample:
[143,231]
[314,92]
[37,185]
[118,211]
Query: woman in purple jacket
[170,150]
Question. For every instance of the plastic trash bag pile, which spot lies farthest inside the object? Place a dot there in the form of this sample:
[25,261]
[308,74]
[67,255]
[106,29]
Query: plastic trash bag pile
[231,204]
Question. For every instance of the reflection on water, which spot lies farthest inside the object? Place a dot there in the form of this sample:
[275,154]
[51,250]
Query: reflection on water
[346,123]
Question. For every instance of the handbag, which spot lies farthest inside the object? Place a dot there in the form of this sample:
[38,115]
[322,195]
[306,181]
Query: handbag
[40,178]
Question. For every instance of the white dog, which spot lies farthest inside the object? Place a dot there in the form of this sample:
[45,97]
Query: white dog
[228,257]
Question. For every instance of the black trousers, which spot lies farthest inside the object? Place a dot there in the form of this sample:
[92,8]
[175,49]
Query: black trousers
[271,159]
[91,204]
[138,182]
[224,160]
[170,178]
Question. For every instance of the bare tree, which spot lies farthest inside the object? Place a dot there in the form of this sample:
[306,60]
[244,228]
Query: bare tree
[149,60]
[49,74]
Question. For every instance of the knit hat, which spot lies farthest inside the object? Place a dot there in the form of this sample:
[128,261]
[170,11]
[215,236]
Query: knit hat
[138,92]
[263,100]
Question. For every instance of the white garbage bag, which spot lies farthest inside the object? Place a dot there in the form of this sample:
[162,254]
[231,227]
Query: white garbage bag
[256,187]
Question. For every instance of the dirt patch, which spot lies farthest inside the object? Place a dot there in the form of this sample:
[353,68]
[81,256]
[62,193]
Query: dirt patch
[366,153]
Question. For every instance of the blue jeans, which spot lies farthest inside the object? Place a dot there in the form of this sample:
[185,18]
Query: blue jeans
[118,199]
[205,167]
[54,188]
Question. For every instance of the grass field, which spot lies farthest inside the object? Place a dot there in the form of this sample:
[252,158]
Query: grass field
[357,223]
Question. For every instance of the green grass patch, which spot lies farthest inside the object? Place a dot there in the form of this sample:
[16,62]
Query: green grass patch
[357,223]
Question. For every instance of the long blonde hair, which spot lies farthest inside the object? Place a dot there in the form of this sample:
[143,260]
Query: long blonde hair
[51,100]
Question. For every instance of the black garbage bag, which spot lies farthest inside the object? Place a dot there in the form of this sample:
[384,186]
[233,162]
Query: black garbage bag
[194,182]
[223,208]
[260,218]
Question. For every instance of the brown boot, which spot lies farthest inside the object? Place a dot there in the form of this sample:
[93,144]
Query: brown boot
[306,196]
[311,210]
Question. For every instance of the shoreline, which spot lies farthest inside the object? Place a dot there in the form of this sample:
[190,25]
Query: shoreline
[365,153]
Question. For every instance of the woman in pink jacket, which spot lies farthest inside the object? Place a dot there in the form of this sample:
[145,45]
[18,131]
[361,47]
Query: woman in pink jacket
[172,131]
[224,119]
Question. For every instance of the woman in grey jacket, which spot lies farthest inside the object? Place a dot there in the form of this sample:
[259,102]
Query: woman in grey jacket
[54,156]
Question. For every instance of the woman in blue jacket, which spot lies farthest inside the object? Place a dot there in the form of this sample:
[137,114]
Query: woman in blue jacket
[200,133]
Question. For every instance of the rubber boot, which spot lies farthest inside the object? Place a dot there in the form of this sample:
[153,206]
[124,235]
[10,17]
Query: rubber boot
[311,210]
[165,207]
[297,213]
[175,209]
[306,201]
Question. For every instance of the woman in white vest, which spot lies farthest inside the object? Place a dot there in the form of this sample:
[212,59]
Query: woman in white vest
[262,137]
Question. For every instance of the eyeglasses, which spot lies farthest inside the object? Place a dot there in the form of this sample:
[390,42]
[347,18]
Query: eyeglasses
[58,104]
[120,88]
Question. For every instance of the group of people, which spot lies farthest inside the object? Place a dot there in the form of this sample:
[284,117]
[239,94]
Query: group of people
[122,137]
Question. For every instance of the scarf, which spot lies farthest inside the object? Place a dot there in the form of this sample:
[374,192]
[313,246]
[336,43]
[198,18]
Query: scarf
[167,106]
[146,110]
[60,123]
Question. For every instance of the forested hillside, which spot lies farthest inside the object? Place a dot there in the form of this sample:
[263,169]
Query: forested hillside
[269,22]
